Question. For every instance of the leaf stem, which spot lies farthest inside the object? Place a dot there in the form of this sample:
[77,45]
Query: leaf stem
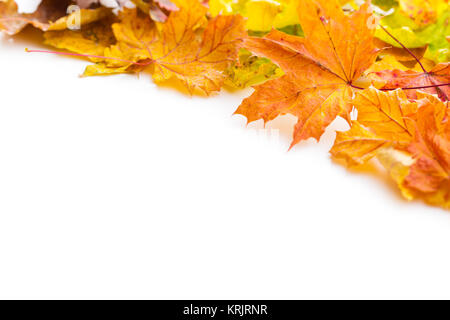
[418,88]
[404,47]
[89,56]
[407,88]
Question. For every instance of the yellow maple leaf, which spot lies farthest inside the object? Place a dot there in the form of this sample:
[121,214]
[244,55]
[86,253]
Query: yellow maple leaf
[382,122]
[410,139]
[187,47]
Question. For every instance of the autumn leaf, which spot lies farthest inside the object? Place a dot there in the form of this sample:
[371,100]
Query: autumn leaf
[428,175]
[320,69]
[390,62]
[91,40]
[320,60]
[422,12]
[411,139]
[399,54]
[176,50]
[434,82]
[262,15]
[50,15]
[383,121]
[84,4]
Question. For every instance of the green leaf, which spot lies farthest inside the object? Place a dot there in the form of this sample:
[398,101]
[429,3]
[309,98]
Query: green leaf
[413,36]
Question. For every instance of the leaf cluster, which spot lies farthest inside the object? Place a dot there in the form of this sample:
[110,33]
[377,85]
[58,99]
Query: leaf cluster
[386,61]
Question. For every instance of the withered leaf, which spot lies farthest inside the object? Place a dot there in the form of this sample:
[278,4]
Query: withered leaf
[187,47]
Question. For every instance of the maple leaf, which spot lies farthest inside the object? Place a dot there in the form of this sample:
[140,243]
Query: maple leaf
[438,77]
[429,176]
[411,139]
[426,174]
[316,77]
[177,50]
[50,15]
[320,69]
[383,121]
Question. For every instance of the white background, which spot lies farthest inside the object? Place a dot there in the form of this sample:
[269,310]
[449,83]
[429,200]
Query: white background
[112,187]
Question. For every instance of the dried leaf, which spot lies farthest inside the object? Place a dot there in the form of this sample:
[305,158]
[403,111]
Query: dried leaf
[177,51]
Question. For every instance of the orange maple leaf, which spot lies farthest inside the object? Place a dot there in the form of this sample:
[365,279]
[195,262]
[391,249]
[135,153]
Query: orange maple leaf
[320,69]
[410,138]
[429,176]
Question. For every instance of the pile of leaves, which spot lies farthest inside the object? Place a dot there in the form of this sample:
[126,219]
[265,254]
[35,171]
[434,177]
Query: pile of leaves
[381,65]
